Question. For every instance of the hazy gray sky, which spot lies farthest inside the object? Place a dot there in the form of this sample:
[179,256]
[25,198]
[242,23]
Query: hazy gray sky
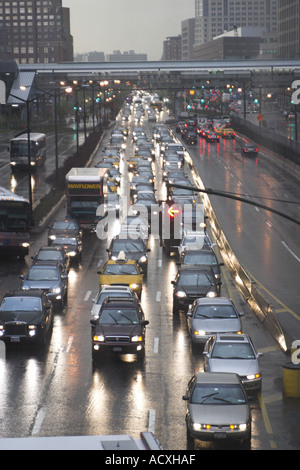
[139,25]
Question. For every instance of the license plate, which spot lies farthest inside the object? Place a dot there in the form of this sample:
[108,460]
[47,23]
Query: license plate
[15,339]
[117,349]
[220,435]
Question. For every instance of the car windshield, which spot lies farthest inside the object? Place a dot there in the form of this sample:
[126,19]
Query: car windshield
[233,351]
[45,255]
[62,225]
[127,246]
[120,269]
[65,241]
[24,304]
[215,311]
[194,279]
[119,317]
[199,258]
[218,394]
[43,274]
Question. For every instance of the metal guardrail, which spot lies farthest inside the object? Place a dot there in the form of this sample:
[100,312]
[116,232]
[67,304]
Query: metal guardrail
[242,279]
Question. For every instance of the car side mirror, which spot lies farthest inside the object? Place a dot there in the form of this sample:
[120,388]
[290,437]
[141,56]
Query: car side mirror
[173,282]
[21,276]
[93,322]
[185,397]
[145,322]
[148,249]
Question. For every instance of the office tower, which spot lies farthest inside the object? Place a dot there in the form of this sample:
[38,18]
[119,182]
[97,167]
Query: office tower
[213,17]
[288,28]
[35,31]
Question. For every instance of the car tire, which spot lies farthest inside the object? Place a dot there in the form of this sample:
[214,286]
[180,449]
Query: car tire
[190,442]
[175,308]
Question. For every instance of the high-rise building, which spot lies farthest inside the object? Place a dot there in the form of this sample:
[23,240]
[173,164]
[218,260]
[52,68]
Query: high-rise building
[35,31]
[213,17]
[172,48]
[288,28]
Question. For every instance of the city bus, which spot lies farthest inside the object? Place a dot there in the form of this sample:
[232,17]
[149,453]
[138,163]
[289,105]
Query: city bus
[18,150]
[15,218]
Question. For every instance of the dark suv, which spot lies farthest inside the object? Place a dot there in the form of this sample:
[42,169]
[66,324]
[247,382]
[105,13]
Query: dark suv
[120,328]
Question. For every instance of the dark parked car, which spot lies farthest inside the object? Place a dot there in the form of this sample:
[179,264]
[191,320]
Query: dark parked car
[191,283]
[52,253]
[204,257]
[49,276]
[133,248]
[72,246]
[120,328]
[63,228]
[190,138]
[25,317]
[249,149]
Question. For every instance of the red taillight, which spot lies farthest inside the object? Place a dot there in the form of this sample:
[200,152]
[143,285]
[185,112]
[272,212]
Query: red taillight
[172,211]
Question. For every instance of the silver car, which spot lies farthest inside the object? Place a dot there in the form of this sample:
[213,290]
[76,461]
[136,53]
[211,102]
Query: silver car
[217,408]
[209,316]
[234,353]
[110,291]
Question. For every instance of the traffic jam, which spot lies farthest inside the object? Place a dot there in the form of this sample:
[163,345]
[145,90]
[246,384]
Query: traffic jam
[144,189]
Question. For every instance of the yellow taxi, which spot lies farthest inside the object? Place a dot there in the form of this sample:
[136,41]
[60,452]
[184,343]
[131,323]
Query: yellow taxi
[219,130]
[112,185]
[228,133]
[122,271]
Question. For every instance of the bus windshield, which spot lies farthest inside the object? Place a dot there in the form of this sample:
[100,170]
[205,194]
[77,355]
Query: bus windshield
[20,148]
[14,216]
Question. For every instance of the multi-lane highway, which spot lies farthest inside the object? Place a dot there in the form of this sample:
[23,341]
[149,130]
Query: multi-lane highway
[61,392]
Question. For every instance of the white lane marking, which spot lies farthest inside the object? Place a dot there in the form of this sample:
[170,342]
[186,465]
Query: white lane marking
[69,344]
[155,345]
[87,295]
[39,421]
[158,296]
[292,253]
[151,422]
[159,263]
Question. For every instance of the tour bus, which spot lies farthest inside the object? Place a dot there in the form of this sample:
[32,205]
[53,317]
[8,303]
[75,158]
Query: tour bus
[15,219]
[18,150]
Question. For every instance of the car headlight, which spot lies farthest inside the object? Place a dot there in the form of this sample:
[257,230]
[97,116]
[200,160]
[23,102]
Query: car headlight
[143,259]
[199,332]
[198,426]
[134,286]
[25,245]
[98,338]
[136,339]
[253,376]
[32,330]
[238,427]
[1,330]
[52,237]
[180,293]
[72,253]
[211,294]
[56,290]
